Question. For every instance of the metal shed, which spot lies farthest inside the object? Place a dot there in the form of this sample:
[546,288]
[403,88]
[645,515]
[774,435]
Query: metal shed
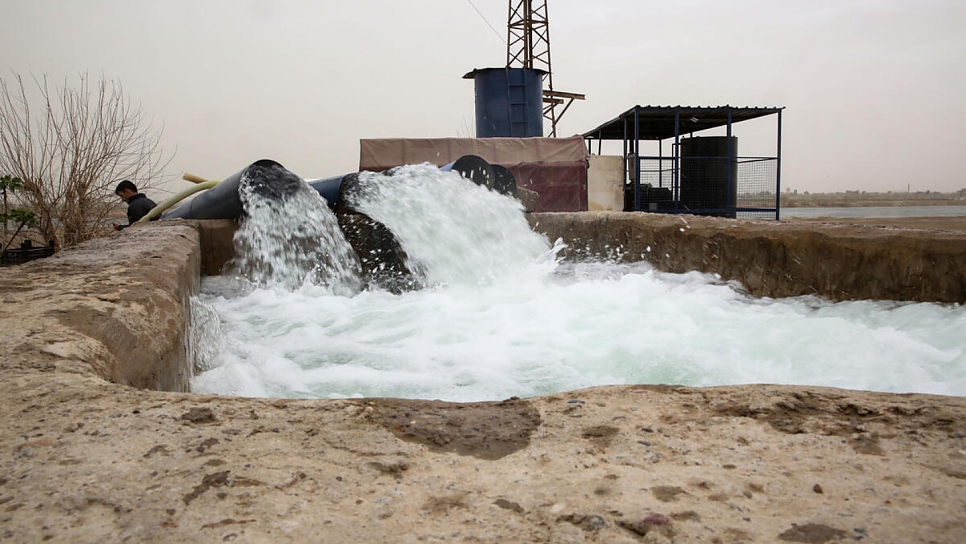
[702,175]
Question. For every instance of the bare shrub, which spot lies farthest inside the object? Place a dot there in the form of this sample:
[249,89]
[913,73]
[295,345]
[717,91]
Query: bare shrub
[71,145]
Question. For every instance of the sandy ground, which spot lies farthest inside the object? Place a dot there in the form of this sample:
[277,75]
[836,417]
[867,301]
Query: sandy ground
[83,459]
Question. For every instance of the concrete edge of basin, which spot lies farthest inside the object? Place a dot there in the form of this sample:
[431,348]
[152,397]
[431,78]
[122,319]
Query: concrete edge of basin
[836,261]
[113,307]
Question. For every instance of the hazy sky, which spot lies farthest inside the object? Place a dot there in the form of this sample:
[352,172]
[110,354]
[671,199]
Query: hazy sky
[873,89]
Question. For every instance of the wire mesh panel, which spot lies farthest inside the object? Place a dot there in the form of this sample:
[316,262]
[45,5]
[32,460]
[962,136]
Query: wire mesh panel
[757,187]
[657,172]
[657,185]
[704,186]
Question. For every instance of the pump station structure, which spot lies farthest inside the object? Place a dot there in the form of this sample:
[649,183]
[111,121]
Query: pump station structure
[703,175]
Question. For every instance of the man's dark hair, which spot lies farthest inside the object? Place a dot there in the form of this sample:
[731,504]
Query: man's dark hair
[126,184]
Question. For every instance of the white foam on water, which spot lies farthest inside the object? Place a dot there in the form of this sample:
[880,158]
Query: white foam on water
[291,240]
[528,326]
[453,231]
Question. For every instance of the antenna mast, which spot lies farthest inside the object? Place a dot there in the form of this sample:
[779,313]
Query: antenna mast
[528,46]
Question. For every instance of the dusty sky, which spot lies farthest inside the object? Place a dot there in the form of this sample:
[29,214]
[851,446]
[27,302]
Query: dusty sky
[873,89]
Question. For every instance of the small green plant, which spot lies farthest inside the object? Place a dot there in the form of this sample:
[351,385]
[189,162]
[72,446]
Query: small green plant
[23,218]
[9,184]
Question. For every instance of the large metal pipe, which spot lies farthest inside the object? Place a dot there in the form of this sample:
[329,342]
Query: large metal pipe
[267,177]
[223,201]
[329,189]
[473,168]
[385,261]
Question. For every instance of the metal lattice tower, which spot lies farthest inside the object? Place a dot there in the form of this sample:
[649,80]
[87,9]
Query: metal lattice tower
[528,46]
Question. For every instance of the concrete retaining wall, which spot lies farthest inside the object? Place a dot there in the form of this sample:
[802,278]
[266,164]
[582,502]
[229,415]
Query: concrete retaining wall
[605,183]
[114,307]
[777,259]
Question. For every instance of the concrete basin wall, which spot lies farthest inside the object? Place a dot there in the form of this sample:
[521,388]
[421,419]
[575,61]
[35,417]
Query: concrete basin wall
[838,261]
[114,307]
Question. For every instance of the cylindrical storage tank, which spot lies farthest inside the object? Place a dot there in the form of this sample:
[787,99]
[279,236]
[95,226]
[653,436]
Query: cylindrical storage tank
[709,175]
[509,102]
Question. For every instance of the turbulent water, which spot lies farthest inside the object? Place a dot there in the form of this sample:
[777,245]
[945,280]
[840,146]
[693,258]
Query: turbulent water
[500,317]
[453,231]
[291,239]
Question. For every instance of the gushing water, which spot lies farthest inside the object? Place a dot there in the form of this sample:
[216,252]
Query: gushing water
[497,322]
[453,231]
[291,239]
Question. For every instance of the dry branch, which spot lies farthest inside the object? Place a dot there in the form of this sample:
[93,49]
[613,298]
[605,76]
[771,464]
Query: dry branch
[71,145]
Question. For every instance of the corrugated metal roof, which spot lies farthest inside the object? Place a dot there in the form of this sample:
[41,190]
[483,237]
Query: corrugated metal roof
[658,122]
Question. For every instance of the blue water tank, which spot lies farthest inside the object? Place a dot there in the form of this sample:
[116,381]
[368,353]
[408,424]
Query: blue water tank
[509,102]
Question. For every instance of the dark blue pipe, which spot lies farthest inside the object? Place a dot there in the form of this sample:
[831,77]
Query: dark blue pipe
[329,189]
[474,169]
[268,177]
[221,201]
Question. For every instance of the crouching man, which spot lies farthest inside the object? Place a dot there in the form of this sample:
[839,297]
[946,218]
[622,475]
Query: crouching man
[138,205]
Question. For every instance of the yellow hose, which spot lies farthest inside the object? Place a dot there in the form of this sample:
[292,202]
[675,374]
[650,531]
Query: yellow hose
[167,203]
[193,178]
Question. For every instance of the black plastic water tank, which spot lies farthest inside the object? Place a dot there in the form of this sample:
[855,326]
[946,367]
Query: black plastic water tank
[709,175]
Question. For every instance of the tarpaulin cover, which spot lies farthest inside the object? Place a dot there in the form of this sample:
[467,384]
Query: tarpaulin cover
[556,168]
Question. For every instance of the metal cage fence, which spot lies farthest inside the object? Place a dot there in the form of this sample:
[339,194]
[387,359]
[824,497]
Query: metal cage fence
[704,186]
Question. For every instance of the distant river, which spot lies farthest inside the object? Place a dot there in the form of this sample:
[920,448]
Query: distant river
[891,211]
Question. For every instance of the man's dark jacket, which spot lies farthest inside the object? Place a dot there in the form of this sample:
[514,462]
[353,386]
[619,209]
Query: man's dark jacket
[137,207]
